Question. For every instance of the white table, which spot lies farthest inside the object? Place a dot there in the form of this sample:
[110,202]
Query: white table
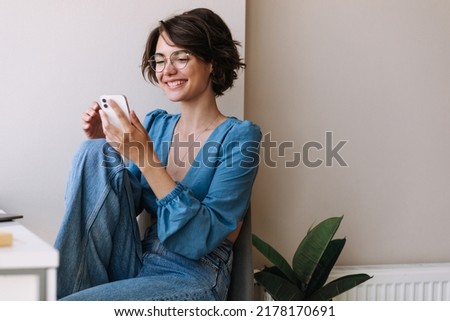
[28,267]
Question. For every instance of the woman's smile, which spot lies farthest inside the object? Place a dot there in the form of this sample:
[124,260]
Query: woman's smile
[175,83]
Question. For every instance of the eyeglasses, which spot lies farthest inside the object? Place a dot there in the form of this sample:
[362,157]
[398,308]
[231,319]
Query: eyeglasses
[178,59]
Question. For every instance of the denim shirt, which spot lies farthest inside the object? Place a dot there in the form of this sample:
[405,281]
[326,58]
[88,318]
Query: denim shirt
[212,198]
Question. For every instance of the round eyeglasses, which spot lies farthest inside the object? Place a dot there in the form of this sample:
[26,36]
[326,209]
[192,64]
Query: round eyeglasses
[178,59]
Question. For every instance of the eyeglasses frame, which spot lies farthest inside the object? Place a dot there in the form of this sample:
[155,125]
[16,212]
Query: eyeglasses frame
[152,62]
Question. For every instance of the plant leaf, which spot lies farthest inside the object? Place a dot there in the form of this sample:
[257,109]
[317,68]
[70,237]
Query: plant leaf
[276,258]
[312,247]
[275,270]
[325,265]
[339,286]
[278,287]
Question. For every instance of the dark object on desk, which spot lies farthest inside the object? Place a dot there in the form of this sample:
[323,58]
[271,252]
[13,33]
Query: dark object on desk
[4,217]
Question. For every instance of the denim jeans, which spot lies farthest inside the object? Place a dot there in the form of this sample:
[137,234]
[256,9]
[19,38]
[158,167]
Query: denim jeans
[101,254]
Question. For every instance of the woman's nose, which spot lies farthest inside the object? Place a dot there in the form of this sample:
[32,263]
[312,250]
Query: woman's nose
[169,69]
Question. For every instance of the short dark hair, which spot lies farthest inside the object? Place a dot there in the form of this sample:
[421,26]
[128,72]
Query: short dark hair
[205,35]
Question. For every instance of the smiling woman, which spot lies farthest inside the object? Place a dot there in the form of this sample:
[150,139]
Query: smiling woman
[193,172]
[217,48]
[187,84]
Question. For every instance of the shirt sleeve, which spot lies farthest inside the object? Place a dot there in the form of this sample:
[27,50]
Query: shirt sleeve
[194,228]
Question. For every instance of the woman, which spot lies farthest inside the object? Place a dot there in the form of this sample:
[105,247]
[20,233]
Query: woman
[193,172]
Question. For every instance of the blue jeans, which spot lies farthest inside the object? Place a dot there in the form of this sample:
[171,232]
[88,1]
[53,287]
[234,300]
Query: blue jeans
[101,254]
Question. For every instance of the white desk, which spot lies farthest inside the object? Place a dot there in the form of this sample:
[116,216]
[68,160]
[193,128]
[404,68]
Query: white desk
[28,267]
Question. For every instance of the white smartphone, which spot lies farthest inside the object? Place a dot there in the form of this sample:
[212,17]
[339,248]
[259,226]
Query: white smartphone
[120,100]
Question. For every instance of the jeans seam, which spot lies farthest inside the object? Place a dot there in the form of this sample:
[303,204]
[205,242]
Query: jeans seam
[85,241]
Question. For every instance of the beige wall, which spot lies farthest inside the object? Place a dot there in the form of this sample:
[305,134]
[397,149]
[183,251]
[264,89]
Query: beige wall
[377,75]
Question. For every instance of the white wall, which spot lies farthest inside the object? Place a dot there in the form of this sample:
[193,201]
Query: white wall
[56,58]
[375,73]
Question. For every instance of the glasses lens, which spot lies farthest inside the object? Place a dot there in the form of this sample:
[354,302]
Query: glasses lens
[179,59]
[157,63]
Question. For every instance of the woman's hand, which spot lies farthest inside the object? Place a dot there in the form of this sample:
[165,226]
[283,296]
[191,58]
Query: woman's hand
[134,143]
[92,123]
[131,139]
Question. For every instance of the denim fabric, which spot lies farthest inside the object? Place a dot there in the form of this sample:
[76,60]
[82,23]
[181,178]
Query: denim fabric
[184,255]
[101,254]
[212,198]
[169,276]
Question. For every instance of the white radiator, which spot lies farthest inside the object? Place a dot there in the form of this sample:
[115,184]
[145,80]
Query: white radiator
[399,282]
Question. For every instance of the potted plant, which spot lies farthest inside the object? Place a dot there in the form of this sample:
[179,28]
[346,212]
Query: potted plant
[311,265]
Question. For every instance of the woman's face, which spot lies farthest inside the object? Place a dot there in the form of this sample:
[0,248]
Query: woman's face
[188,84]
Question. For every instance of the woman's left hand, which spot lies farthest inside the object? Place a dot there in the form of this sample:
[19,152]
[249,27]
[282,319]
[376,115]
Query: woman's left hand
[131,139]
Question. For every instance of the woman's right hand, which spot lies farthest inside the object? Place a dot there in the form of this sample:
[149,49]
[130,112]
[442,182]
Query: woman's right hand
[92,123]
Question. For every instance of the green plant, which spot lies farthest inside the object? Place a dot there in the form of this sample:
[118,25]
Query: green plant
[311,265]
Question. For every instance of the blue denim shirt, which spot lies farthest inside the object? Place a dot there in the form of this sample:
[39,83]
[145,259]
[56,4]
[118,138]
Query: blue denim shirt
[212,198]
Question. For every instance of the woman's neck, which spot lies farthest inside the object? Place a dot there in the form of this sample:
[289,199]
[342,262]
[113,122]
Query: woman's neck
[195,117]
